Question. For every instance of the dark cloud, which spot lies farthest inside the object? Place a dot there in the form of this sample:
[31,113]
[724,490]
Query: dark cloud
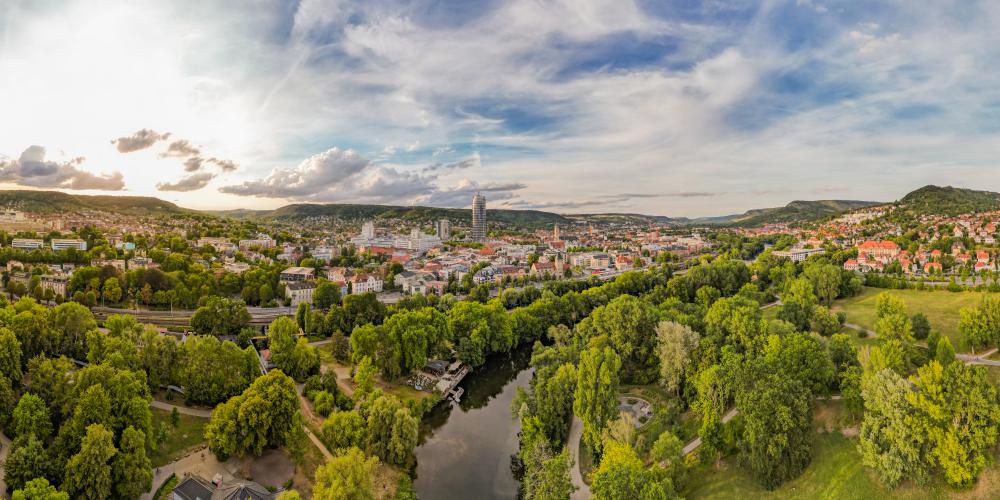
[190,183]
[138,141]
[31,169]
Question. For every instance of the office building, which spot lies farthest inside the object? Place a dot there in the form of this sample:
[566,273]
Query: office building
[479,217]
[442,229]
[67,244]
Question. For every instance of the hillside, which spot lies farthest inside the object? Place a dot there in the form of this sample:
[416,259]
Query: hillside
[522,218]
[948,201]
[54,201]
[796,211]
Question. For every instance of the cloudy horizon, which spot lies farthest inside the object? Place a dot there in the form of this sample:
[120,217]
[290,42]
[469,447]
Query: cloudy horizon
[666,108]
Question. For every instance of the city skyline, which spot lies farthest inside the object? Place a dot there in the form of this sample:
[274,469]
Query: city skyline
[660,108]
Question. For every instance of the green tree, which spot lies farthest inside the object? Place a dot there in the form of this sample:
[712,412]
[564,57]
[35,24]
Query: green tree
[554,401]
[27,460]
[405,430]
[958,411]
[112,290]
[595,399]
[477,330]
[888,441]
[825,279]
[326,295]
[775,444]
[73,321]
[551,481]
[31,416]
[629,323]
[346,476]
[220,316]
[622,475]
[921,326]
[296,358]
[803,358]
[364,378]
[676,343]
[944,352]
[88,473]
[39,489]
[266,414]
[8,401]
[131,470]
[344,429]
[10,356]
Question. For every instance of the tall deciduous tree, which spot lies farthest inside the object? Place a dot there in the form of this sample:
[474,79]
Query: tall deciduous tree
[88,473]
[629,323]
[676,343]
[131,469]
[266,414]
[347,476]
[596,390]
[10,356]
[775,442]
[888,441]
[31,416]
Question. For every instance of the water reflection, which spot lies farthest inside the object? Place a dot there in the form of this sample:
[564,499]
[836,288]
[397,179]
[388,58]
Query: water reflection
[464,450]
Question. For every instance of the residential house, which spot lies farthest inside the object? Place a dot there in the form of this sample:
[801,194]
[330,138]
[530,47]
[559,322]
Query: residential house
[365,282]
[294,274]
[300,292]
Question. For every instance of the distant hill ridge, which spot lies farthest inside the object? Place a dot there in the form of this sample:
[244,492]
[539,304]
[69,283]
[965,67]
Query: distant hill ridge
[949,200]
[418,214]
[47,202]
[929,199]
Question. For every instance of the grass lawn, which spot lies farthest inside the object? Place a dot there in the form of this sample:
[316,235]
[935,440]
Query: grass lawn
[180,440]
[941,308]
[835,472]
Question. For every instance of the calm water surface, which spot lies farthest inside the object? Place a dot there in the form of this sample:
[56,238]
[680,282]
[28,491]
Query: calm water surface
[465,448]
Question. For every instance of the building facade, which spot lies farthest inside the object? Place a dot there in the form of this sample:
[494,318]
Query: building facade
[479,217]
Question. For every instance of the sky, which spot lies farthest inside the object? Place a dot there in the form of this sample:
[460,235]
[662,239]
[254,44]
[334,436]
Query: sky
[667,107]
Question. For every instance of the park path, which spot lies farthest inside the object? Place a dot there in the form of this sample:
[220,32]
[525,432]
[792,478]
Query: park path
[311,417]
[183,410]
[5,442]
[582,491]
[694,444]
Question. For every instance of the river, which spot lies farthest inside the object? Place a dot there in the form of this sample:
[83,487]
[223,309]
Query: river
[465,449]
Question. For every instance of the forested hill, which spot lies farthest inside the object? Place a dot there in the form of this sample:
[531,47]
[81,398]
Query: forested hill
[796,211]
[57,202]
[521,218]
[949,201]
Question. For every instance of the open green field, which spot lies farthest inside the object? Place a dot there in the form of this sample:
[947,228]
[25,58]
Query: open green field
[941,308]
[180,440]
[835,473]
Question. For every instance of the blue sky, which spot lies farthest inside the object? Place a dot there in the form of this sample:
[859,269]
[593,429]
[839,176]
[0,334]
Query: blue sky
[680,108]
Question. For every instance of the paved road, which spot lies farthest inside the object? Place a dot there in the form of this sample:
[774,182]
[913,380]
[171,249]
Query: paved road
[575,433]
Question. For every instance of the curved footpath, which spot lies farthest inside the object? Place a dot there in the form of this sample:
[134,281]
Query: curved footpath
[575,433]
